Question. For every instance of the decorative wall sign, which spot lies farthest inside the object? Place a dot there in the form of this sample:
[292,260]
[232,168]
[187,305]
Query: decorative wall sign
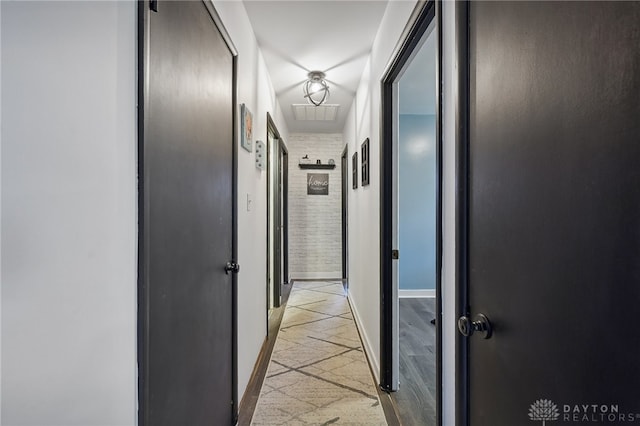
[354,170]
[246,128]
[317,183]
[365,162]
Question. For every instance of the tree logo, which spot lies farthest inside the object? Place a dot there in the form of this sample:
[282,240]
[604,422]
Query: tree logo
[545,410]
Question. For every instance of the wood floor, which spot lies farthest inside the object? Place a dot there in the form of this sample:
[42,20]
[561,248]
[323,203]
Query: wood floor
[250,399]
[415,400]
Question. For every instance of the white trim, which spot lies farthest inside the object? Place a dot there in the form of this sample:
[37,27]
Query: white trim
[416,293]
[326,276]
[366,342]
[449,93]
[220,25]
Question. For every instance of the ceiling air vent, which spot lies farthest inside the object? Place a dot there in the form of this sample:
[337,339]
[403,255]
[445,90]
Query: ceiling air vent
[324,112]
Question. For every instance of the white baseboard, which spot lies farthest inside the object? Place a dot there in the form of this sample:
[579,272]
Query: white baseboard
[416,293]
[366,343]
[325,276]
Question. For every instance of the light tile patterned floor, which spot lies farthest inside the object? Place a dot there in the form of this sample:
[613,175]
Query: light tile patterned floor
[318,374]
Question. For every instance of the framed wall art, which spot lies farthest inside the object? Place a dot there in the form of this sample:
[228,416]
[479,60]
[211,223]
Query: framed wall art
[246,128]
[317,183]
[364,153]
[354,170]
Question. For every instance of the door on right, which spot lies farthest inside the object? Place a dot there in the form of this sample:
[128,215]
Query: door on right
[551,213]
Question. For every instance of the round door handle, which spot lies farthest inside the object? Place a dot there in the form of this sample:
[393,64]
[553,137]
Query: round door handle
[480,323]
[464,326]
[231,267]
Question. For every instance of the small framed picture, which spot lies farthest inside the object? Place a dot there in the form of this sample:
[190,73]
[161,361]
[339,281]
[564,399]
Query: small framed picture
[365,162]
[246,128]
[354,170]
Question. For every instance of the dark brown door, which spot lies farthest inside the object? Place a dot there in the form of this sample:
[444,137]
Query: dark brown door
[281,246]
[554,213]
[277,225]
[278,215]
[344,165]
[284,195]
[187,369]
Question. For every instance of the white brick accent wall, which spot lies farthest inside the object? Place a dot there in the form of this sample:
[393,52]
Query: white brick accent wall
[315,221]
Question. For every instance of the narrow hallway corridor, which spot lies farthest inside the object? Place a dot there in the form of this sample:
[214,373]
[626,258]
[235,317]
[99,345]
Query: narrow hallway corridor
[318,373]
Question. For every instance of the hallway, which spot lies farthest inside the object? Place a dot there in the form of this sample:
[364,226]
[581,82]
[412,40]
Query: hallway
[164,172]
[85,175]
[318,373]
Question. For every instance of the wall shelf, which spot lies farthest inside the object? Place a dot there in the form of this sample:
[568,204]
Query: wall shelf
[317,166]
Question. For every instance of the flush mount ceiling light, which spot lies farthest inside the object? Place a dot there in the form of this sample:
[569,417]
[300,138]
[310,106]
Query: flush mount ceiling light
[316,89]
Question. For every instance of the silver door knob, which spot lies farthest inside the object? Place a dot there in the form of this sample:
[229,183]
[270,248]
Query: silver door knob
[480,324]
[231,267]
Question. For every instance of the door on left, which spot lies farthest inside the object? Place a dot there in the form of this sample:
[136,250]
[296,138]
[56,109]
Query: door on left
[186,159]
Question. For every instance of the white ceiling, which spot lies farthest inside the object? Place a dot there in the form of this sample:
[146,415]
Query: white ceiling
[300,36]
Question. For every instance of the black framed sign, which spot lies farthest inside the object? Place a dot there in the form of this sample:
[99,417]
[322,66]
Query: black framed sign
[365,162]
[317,183]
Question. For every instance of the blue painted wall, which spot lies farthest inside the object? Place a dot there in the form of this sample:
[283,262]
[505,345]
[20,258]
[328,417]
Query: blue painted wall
[417,202]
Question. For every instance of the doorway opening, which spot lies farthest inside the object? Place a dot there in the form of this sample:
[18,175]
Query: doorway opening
[277,217]
[411,223]
[345,216]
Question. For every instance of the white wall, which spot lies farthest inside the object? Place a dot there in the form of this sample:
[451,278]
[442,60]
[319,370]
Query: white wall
[254,90]
[417,207]
[69,215]
[315,221]
[364,203]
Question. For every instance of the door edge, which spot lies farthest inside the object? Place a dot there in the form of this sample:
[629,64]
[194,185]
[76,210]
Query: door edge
[461,57]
